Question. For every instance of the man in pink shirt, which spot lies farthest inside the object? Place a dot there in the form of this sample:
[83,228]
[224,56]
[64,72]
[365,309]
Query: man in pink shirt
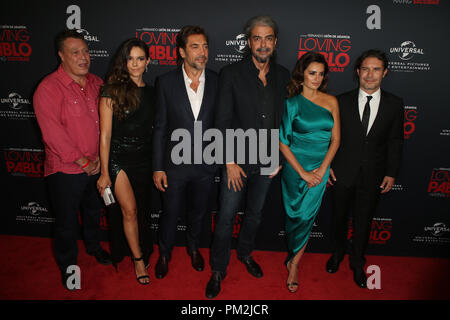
[66,107]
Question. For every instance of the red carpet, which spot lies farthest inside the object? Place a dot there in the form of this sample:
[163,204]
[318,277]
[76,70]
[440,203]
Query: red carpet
[28,271]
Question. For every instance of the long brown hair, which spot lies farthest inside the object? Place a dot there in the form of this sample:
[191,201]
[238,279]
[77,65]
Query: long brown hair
[122,90]
[294,86]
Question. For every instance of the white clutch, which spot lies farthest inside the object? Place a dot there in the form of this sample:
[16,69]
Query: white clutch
[108,196]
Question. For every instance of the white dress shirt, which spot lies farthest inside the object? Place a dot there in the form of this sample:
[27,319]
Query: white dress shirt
[374,105]
[195,98]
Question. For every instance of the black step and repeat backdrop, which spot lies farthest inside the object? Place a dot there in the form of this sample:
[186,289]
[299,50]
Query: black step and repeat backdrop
[413,219]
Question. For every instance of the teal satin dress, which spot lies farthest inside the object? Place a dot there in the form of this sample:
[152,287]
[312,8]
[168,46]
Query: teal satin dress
[306,130]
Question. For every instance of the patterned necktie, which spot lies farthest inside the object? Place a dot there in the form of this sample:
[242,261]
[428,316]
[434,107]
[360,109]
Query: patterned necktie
[366,115]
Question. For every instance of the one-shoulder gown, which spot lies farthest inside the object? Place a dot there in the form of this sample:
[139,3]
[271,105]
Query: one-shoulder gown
[306,130]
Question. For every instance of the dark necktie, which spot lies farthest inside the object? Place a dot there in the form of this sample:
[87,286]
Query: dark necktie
[366,115]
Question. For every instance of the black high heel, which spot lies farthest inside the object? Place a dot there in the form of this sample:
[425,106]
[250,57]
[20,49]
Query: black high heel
[141,277]
[291,284]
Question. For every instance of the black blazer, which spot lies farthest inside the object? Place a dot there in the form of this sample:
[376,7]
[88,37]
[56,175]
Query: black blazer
[173,111]
[238,101]
[382,146]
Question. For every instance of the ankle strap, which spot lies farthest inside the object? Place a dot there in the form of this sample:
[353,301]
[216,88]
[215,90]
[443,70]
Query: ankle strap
[137,259]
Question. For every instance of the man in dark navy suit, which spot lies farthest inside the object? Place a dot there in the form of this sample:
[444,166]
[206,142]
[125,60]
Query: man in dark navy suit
[185,98]
[367,161]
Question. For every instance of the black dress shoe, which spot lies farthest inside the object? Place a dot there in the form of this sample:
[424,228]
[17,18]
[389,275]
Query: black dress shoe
[360,278]
[333,264]
[162,267]
[213,286]
[197,260]
[252,267]
[102,257]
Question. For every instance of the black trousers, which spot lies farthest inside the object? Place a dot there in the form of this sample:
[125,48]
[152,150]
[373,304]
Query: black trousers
[362,198]
[196,184]
[69,193]
[255,189]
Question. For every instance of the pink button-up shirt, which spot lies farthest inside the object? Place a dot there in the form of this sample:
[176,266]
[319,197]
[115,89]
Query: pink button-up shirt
[68,116]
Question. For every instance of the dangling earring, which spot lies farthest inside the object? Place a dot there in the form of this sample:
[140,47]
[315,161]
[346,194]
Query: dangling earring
[146,67]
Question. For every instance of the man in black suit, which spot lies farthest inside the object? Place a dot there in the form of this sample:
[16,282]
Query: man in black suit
[251,97]
[367,161]
[185,98]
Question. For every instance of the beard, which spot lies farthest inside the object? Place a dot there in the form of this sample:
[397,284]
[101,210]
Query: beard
[265,58]
[198,65]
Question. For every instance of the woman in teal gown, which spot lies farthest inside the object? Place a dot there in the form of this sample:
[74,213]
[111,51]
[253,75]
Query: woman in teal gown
[309,139]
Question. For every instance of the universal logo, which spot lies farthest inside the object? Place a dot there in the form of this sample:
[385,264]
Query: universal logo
[438,229]
[15,101]
[408,53]
[91,40]
[238,44]
[156,215]
[314,233]
[407,50]
[34,208]
[233,51]
[87,36]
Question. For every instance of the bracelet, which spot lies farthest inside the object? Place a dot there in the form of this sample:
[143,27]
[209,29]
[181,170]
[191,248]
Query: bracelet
[86,164]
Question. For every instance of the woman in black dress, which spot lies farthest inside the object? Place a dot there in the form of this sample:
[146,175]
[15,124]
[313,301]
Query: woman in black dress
[126,116]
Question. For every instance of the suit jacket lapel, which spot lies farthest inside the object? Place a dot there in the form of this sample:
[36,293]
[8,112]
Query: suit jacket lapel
[184,98]
[206,97]
[379,116]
